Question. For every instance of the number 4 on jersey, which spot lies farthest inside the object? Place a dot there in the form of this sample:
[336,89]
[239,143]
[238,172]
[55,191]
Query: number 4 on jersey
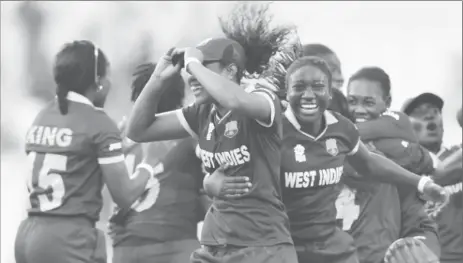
[45,184]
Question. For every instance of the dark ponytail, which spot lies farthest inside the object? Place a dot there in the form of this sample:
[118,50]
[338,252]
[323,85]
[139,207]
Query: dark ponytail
[62,93]
[74,70]
[249,25]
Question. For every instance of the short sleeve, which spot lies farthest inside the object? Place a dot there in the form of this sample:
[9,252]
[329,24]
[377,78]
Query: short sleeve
[107,140]
[189,118]
[353,137]
[274,103]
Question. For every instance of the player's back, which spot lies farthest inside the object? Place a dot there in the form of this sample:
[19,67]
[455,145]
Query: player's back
[66,179]
[169,210]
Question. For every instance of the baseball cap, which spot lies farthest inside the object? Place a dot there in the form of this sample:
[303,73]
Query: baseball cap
[426,97]
[224,50]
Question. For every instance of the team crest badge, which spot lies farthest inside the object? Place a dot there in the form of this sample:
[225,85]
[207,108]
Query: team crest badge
[299,153]
[332,147]
[231,129]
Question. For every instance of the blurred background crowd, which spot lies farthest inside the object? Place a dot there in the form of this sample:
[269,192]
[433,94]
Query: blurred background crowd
[418,44]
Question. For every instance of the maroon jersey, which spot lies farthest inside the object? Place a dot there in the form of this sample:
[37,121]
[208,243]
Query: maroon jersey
[169,210]
[66,152]
[311,168]
[376,214]
[257,218]
[450,220]
[391,124]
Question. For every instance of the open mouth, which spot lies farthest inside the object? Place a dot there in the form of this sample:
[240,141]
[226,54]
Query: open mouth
[360,119]
[308,108]
[431,126]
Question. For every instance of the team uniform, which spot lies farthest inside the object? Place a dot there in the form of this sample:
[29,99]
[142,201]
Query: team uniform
[253,228]
[450,219]
[377,214]
[162,226]
[311,169]
[66,183]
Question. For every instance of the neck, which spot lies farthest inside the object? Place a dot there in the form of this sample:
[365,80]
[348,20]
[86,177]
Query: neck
[314,128]
[221,111]
[433,147]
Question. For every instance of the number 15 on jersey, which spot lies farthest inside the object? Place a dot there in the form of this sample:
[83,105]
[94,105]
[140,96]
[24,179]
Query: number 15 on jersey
[45,183]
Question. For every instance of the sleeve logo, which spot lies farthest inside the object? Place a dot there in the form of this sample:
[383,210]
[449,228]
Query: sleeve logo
[332,147]
[299,153]
[231,129]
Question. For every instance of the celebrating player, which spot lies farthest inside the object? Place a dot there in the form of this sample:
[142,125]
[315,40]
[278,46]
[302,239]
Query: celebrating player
[310,176]
[234,127]
[425,112]
[162,226]
[378,215]
[74,147]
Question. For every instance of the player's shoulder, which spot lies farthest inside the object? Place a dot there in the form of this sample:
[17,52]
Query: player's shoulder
[100,121]
[396,117]
[338,121]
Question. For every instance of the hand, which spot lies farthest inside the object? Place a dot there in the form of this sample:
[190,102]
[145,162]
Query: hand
[165,68]
[221,186]
[435,193]
[193,53]
[410,249]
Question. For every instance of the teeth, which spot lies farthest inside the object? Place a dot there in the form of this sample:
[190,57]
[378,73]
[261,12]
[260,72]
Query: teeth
[360,120]
[309,106]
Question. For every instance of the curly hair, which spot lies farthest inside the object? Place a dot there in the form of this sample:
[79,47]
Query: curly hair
[171,98]
[249,25]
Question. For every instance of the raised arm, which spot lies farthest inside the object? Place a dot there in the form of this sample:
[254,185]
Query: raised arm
[227,93]
[144,125]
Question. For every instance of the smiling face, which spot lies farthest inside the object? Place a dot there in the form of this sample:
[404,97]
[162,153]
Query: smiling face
[366,99]
[308,93]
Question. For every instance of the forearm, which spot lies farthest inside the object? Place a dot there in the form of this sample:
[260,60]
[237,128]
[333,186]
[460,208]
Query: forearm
[227,93]
[143,112]
[385,170]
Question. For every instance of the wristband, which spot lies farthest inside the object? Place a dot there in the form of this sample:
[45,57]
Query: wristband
[188,61]
[147,167]
[423,181]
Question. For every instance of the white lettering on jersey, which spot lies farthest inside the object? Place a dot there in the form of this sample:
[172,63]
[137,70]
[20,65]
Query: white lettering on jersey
[234,157]
[299,153]
[308,179]
[209,131]
[49,136]
[453,189]
[391,114]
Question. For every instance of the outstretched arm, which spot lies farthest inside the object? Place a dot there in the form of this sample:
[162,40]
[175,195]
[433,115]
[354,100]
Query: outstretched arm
[144,125]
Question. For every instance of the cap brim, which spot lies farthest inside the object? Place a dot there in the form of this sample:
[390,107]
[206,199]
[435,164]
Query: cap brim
[423,98]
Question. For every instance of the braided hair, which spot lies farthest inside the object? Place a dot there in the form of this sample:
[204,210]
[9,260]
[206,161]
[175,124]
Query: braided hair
[78,67]
[171,98]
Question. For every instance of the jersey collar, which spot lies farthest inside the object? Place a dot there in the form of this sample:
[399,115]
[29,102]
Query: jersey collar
[329,120]
[76,97]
